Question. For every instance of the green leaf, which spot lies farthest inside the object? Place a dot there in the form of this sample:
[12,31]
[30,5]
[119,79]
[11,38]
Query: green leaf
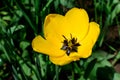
[105,73]
[1,62]
[82,78]
[116,76]
[115,1]
[56,4]
[42,64]
[3,12]
[25,54]
[100,54]
[23,10]
[24,45]
[26,69]
[115,11]
[105,63]
[16,28]
[99,63]
[118,55]
[67,3]
[89,68]
[8,18]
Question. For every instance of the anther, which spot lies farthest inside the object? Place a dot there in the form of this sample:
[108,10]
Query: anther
[70,45]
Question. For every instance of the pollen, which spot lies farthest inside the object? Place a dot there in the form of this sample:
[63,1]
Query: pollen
[70,45]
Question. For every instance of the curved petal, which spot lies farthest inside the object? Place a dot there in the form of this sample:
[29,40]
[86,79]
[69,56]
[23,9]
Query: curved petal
[84,51]
[88,42]
[51,29]
[43,46]
[62,60]
[79,21]
[75,22]
[92,34]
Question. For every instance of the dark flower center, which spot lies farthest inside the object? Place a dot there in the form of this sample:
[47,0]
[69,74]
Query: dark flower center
[70,45]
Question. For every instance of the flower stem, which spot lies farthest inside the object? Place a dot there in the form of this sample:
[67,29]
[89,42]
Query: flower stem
[73,74]
[57,72]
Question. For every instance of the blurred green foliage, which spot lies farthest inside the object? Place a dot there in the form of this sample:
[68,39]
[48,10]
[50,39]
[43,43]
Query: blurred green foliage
[22,20]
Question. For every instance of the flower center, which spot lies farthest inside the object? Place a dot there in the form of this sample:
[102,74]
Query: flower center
[70,45]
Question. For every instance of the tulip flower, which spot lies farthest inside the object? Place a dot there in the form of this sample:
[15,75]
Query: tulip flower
[67,38]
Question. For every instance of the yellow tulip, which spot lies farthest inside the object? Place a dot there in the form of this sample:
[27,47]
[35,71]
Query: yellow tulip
[67,38]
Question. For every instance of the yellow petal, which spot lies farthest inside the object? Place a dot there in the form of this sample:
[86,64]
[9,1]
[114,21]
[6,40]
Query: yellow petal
[92,34]
[41,45]
[51,29]
[75,22]
[79,22]
[88,42]
[83,52]
[62,60]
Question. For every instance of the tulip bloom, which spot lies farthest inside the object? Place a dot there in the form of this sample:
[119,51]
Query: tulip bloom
[67,38]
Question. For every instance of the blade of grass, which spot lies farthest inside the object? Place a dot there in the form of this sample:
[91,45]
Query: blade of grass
[77,67]
[95,10]
[37,64]
[15,75]
[46,6]
[20,6]
[89,68]
[24,77]
[73,71]
[37,11]
[57,72]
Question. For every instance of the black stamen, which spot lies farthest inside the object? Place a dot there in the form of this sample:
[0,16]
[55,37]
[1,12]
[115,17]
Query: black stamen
[64,37]
[71,45]
[68,51]
[77,44]
[71,35]
[64,47]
